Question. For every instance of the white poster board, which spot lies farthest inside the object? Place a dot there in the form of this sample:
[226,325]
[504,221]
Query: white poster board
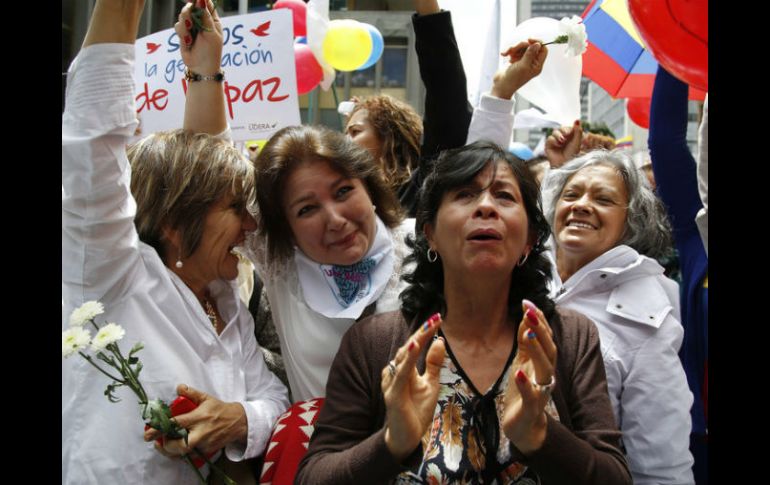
[260,78]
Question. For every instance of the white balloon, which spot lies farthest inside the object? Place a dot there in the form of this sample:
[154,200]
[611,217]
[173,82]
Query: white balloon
[557,89]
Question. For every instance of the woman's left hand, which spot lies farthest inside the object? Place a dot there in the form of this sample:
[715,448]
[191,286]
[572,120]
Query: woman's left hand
[528,391]
[211,426]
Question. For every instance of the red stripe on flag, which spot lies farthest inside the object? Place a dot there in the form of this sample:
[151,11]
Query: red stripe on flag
[603,70]
[637,86]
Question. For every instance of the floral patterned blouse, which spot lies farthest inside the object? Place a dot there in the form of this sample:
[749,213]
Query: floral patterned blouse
[455,446]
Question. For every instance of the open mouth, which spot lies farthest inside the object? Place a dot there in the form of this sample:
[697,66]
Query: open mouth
[485,235]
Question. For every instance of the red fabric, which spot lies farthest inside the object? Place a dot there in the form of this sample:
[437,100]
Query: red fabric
[289,442]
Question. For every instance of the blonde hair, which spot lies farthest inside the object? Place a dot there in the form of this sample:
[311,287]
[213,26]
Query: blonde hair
[177,176]
[400,128]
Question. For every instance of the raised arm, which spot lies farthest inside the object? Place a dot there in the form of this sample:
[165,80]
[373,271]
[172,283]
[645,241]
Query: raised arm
[204,109]
[447,110]
[672,162]
[493,118]
[99,241]
[114,22]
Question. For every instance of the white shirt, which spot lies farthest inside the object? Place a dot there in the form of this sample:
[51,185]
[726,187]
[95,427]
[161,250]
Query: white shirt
[103,259]
[310,340]
[492,120]
[636,310]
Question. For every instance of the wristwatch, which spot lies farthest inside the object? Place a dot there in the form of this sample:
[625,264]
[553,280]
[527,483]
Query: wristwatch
[191,76]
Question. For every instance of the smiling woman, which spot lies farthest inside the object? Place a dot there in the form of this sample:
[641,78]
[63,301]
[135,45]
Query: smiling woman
[330,245]
[607,227]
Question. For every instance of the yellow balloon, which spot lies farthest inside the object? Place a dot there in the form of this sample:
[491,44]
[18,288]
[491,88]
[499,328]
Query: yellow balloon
[347,45]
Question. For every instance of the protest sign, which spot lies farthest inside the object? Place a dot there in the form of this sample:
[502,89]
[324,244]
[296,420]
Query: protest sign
[260,82]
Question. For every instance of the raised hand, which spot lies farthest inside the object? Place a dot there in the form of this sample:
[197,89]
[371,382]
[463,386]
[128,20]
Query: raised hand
[530,383]
[526,60]
[204,53]
[593,141]
[563,144]
[411,398]
[426,7]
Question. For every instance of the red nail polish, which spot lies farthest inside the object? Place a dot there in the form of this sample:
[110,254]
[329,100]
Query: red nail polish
[187,24]
[202,3]
[187,40]
[411,346]
[531,317]
[521,376]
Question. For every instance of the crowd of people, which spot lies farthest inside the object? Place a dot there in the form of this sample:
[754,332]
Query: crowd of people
[450,312]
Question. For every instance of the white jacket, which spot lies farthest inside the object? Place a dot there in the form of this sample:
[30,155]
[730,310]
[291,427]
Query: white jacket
[636,309]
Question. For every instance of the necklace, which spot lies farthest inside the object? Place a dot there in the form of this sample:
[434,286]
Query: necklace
[210,312]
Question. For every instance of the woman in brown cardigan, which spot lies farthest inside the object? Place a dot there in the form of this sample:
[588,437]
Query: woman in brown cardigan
[488,402]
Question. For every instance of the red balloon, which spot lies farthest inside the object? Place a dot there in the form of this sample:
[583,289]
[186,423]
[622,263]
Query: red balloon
[299,14]
[309,72]
[676,33]
[639,111]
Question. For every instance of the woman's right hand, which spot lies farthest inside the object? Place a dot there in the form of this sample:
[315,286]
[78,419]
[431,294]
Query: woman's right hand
[411,398]
[204,54]
[563,144]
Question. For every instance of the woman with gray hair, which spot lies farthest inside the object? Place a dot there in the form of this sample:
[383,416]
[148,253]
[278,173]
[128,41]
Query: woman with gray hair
[607,226]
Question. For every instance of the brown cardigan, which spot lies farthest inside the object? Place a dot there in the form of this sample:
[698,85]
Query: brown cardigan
[348,444]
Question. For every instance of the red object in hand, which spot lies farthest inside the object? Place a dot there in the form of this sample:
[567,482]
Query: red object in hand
[183,405]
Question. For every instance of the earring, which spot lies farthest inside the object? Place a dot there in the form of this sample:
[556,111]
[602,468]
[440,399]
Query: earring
[432,255]
[179,263]
[522,260]
[374,208]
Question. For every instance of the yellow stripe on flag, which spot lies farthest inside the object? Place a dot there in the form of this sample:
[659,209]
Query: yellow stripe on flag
[618,10]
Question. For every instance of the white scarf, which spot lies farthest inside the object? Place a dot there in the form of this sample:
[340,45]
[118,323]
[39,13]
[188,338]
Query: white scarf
[359,287]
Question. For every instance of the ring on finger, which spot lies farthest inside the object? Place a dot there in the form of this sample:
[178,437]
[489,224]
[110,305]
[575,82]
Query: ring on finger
[392,368]
[545,388]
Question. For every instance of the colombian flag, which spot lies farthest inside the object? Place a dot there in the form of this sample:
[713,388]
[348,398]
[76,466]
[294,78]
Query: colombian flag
[617,59]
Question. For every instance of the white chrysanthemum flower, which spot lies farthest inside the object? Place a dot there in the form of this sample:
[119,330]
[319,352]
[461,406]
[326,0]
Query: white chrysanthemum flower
[112,332]
[74,339]
[577,42]
[87,311]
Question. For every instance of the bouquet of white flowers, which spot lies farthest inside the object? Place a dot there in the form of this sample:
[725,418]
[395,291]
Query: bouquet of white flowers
[156,413]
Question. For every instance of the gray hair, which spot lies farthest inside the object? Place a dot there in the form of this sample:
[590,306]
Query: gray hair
[647,228]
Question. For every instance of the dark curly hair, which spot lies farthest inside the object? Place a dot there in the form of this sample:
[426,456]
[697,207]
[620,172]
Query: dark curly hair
[454,168]
[400,128]
[294,145]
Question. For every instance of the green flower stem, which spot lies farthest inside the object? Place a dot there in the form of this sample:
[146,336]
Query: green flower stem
[197,472]
[134,383]
[562,39]
[90,361]
[214,468]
